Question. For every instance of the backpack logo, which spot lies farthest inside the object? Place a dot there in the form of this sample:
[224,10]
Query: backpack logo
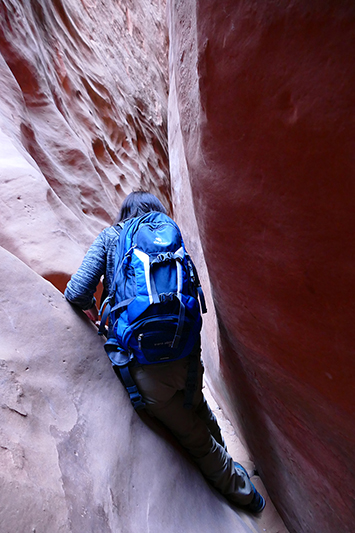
[158,240]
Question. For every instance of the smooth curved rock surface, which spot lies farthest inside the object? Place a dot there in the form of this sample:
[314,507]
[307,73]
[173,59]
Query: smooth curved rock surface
[74,456]
[265,100]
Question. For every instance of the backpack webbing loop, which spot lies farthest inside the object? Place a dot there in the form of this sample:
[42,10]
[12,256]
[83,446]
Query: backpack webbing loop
[104,315]
[202,299]
[180,325]
[134,394]
[120,361]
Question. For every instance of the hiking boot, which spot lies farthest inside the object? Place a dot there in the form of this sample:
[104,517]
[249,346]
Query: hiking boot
[258,502]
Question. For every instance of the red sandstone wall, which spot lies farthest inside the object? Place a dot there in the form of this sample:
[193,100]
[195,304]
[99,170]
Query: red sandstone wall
[265,93]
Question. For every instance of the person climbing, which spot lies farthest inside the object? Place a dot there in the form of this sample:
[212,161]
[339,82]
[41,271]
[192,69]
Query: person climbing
[163,387]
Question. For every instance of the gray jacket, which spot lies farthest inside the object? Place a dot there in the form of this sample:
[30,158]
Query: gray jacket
[99,261]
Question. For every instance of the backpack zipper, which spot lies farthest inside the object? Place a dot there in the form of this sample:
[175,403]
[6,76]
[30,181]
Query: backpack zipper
[139,339]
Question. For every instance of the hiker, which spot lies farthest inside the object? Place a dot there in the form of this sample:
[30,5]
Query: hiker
[163,387]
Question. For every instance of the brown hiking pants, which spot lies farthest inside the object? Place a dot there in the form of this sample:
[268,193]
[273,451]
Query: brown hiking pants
[163,389]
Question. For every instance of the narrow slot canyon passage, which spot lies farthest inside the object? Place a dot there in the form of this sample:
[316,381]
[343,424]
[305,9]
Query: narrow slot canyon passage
[238,116]
[269,521]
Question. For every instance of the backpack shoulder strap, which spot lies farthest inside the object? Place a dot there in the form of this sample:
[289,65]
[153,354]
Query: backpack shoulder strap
[121,364]
[118,227]
[196,281]
[104,303]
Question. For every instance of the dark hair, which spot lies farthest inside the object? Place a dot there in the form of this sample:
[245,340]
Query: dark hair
[137,203]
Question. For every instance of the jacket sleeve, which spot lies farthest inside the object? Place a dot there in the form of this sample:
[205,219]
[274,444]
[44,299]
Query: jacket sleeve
[82,285]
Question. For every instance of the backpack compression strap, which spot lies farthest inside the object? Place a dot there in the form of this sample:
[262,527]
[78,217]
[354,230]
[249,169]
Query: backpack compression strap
[196,281]
[177,257]
[134,394]
[120,362]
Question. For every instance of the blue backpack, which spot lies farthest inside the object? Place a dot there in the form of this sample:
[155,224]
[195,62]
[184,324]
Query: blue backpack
[153,301]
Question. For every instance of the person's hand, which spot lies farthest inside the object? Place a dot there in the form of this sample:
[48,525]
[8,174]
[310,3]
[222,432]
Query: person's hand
[92,313]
